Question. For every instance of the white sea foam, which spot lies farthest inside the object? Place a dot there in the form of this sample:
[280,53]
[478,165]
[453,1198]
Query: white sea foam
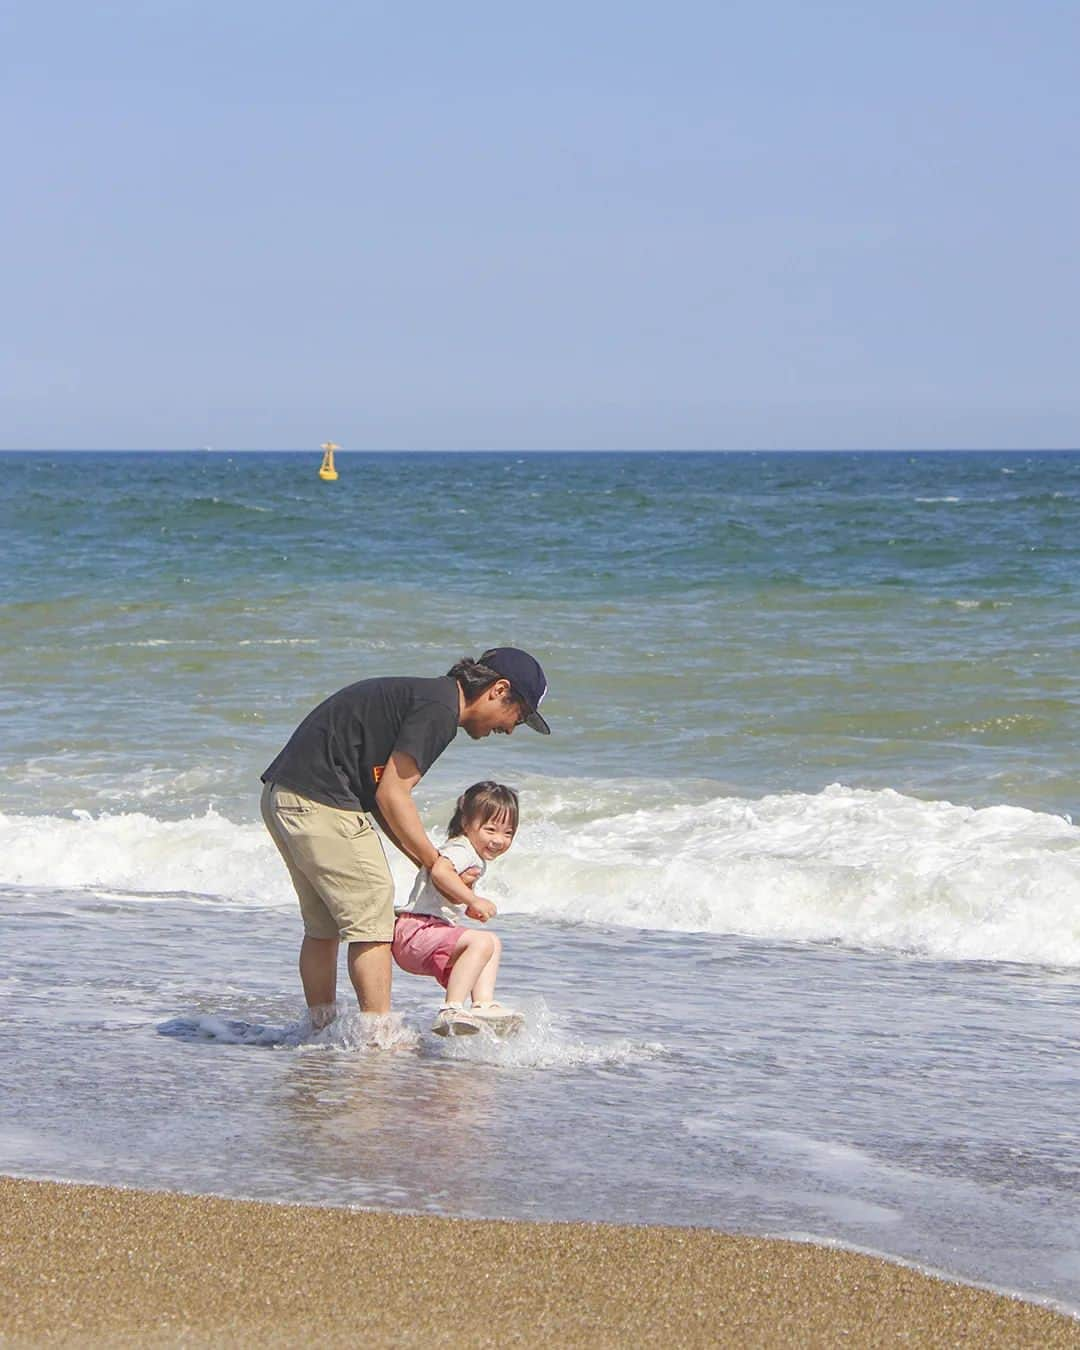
[539,1046]
[351,1031]
[203,642]
[871,869]
[543,1045]
[205,856]
[980,604]
[863,868]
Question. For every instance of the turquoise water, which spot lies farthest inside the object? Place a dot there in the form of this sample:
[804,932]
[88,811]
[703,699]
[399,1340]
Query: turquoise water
[765,621]
[799,854]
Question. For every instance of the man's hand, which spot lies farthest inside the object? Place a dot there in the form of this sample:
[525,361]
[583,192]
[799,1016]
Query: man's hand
[480,909]
[447,882]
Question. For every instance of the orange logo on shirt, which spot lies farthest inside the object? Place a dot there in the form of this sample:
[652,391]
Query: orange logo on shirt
[377,772]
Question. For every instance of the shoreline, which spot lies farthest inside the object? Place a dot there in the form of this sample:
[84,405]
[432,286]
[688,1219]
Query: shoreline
[93,1265]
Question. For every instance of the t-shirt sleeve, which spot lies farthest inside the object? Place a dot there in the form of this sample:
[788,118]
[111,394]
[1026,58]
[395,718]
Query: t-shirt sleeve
[462,854]
[425,733]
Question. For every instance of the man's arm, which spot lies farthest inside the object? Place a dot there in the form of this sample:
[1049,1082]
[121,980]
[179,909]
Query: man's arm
[396,812]
[384,825]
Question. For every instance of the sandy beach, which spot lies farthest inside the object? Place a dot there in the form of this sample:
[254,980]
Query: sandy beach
[92,1265]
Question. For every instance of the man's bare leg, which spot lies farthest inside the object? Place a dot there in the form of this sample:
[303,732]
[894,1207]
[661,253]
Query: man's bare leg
[318,974]
[370,971]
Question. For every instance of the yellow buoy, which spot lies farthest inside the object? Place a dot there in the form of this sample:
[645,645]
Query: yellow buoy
[327,472]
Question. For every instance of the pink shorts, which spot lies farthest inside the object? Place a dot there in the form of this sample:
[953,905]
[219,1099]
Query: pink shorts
[424,945]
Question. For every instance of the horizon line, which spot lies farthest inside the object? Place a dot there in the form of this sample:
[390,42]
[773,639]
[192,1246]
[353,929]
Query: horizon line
[504,450]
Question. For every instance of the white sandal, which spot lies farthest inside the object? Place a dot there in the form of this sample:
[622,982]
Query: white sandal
[453,1020]
[492,1012]
[501,1020]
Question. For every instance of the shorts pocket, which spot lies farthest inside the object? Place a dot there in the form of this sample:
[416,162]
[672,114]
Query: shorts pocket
[291,804]
[353,826]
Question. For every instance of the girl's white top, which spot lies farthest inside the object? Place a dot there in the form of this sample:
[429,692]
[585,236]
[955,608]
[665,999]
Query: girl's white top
[425,898]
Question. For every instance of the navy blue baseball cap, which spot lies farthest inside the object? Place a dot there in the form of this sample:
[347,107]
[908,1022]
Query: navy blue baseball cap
[527,680]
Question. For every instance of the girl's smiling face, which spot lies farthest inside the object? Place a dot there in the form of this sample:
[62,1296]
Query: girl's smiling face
[491,838]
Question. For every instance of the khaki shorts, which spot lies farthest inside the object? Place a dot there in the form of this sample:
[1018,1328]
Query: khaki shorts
[337,865]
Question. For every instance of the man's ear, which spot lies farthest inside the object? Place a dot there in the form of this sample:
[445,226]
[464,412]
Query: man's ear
[500,689]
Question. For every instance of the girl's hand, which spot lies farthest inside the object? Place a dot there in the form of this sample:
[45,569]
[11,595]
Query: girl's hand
[470,876]
[481,909]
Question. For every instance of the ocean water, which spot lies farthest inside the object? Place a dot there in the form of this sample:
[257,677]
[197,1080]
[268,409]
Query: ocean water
[794,910]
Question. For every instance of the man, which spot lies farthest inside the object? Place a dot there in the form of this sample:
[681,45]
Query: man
[361,753]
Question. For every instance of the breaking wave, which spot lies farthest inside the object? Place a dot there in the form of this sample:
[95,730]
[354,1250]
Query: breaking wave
[869,869]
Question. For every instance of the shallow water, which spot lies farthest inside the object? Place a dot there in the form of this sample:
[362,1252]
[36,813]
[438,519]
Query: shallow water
[919,1108]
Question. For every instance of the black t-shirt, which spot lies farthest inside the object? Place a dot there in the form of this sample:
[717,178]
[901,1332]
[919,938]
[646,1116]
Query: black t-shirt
[337,754]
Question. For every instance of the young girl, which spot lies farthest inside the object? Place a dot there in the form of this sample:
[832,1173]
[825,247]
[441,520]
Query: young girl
[427,937]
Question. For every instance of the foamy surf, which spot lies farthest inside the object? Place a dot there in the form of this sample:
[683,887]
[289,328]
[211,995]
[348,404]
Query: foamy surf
[869,869]
[138,855]
[351,1031]
[540,1045]
[543,1044]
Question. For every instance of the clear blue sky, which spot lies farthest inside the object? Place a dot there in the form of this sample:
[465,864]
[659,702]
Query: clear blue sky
[250,223]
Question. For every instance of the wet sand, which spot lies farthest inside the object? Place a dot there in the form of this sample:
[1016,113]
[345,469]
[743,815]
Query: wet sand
[91,1265]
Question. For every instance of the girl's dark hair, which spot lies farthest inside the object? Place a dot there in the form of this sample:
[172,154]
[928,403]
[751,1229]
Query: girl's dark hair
[474,677]
[483,802]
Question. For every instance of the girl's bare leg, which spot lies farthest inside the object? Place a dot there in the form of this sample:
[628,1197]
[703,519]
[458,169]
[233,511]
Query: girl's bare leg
[473,968]
[483,990]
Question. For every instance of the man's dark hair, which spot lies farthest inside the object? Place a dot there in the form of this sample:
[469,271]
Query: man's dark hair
[474,677]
